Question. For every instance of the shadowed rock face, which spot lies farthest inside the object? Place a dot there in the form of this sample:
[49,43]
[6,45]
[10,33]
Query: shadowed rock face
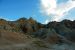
[64,28]
[52,32]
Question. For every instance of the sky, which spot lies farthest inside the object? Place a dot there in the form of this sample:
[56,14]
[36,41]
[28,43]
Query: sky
[42,11]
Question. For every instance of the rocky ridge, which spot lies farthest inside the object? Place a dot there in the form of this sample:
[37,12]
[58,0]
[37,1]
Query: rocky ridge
[24,30]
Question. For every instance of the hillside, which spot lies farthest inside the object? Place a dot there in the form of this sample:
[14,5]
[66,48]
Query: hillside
[33,34]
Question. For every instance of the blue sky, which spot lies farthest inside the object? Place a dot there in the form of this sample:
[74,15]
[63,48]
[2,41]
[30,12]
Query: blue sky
[15,9]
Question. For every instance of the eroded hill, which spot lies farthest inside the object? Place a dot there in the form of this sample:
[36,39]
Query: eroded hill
[29,30]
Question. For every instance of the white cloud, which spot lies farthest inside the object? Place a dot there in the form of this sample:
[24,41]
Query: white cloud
[46,22]
[54,10]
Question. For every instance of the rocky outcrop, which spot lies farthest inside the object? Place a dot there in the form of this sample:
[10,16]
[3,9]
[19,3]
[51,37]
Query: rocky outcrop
[64,28]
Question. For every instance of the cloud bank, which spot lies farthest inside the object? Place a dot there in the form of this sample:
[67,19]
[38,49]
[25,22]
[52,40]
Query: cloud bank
[54,10]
